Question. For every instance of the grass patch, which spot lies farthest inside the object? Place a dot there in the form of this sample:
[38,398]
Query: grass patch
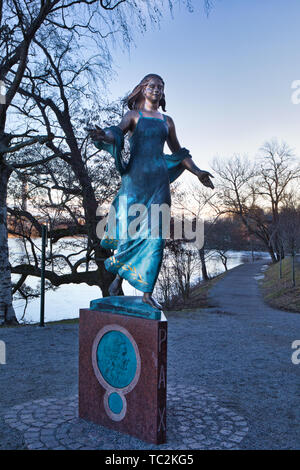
[280,293]
[11,326]
[71,321]
[198,297]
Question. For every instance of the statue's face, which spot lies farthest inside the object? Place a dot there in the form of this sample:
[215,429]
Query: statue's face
[154,90]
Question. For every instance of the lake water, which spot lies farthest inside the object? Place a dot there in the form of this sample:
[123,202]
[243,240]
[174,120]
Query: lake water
[65,302]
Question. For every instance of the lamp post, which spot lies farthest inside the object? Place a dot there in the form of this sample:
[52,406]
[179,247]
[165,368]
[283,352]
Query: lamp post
[42,304]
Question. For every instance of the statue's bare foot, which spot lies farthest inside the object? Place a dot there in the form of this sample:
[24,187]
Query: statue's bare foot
[115,286]
[148,299]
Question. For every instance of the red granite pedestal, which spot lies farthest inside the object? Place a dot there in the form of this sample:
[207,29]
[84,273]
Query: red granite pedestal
[123,373]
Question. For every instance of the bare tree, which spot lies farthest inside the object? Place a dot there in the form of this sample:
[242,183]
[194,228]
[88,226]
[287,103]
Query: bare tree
[88,27]
[58,197]
[194,200]
[278,169]
[289,232]
[221,239]
[176,278]
[20,22]
[255,191]
[166,287]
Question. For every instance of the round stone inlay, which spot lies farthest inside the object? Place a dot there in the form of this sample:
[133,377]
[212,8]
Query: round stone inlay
[195,420]
[115,403]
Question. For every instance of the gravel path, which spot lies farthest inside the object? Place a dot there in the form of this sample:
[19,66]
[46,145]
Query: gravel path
[229,374]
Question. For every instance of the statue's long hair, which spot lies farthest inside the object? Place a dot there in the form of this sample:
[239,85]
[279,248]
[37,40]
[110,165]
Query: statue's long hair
[136,99]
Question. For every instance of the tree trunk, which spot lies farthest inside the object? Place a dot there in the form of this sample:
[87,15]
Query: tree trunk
[203,264]
[7,313]
[224,261]
[293,269]
[280,268]
[105,278]
[272,254]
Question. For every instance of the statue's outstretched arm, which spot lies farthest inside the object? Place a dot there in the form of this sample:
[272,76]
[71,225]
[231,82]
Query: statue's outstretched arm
[111,139]
[106,135]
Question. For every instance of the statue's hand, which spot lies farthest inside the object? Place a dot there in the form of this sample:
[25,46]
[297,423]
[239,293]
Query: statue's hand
[204,178]
[97,133]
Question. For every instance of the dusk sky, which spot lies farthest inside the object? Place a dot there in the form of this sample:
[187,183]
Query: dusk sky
[227,77]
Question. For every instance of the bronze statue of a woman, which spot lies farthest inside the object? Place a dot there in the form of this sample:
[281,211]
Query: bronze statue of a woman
[146,179]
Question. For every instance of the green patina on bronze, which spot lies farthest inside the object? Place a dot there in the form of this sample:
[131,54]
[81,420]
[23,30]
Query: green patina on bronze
[116,359]
[126,305]
[115,403]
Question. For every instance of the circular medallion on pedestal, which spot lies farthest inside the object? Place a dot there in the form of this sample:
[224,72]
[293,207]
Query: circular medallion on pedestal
[116,359]
[117,366]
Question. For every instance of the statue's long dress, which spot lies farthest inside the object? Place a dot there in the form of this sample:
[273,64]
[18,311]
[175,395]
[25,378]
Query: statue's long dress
[146,180]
